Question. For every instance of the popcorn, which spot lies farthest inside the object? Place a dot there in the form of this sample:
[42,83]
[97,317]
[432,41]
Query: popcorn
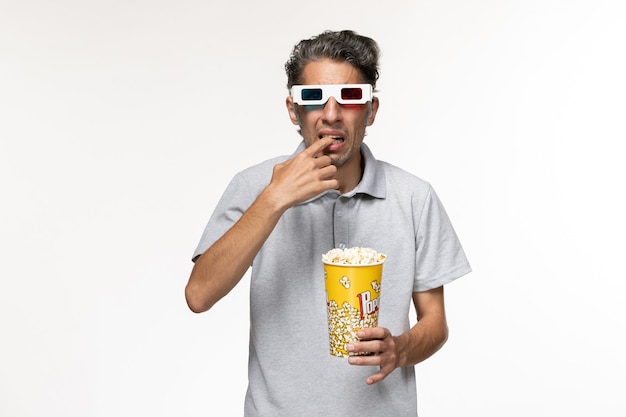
[343,324]
[353,284]
[353,256]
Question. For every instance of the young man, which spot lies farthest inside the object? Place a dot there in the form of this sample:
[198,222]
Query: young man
[281,215]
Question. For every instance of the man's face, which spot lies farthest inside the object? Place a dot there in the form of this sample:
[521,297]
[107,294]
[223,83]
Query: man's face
[345,122]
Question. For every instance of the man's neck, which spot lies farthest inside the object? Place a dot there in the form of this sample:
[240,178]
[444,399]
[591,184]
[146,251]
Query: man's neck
[350,174]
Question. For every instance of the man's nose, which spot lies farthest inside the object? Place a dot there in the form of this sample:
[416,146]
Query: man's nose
[332,110]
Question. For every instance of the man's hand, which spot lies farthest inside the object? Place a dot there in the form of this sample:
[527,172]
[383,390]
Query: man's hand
[425,338]
[306,175]
[380,342]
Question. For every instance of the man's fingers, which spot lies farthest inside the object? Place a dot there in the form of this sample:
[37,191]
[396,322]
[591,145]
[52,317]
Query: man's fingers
[318,146]
[368,333]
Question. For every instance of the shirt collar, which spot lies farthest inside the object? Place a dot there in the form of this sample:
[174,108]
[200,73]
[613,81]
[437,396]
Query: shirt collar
[373,181]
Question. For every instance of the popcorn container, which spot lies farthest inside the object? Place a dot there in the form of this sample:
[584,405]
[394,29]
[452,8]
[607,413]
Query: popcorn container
[352,300]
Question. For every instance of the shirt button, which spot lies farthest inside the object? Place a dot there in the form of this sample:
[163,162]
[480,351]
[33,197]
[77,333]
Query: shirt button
[342,246]
[339,213]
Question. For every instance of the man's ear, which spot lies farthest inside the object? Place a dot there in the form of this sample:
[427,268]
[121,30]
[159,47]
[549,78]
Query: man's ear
[292,111]
[372,116]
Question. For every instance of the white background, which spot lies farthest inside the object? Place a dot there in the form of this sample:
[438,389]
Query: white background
[121,122]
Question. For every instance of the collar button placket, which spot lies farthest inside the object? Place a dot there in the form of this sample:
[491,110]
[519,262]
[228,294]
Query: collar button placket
[340,222]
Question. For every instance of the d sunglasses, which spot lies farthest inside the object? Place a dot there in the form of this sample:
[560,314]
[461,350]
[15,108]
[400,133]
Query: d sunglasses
[343,93]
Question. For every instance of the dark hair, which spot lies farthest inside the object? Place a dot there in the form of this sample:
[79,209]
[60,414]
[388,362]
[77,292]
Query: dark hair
[342,46]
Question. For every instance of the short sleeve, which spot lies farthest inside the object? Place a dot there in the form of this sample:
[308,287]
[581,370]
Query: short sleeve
[234,202]
[440,258]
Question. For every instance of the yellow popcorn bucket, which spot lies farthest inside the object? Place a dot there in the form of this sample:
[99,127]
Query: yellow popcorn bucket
[352,300]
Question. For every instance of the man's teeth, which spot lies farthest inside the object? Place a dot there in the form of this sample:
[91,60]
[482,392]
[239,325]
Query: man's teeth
[338,139]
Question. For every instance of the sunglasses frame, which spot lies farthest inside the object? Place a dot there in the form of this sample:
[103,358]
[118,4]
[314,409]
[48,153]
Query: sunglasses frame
[331,90]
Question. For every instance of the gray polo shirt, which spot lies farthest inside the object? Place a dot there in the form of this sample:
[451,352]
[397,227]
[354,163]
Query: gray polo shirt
[290,370]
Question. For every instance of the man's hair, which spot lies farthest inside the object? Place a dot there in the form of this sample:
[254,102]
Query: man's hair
[342,46]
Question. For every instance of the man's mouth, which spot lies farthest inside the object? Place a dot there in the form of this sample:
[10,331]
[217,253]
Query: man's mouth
[336,139]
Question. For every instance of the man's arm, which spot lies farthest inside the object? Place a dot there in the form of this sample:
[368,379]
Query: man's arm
[429,334]
[222,266]
[425,338]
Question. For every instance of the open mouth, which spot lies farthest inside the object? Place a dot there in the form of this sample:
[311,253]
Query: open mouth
[336,139]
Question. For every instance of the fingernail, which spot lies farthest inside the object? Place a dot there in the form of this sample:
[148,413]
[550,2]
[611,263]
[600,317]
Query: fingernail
[350,347]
